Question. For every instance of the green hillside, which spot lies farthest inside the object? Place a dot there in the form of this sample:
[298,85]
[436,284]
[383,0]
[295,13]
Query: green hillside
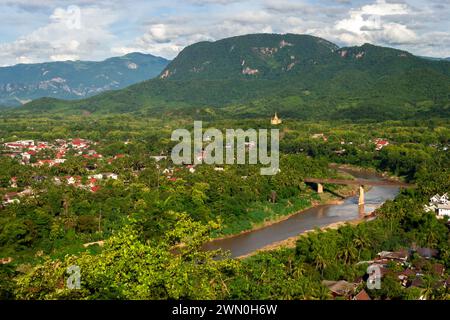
[296,75]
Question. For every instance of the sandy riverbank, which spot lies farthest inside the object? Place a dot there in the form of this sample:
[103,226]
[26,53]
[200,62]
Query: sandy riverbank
[291,242]
[326,199]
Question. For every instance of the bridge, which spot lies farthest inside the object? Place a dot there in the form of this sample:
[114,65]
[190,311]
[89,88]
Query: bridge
[360,182]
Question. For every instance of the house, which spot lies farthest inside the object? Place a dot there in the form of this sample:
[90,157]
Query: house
[158,158]
[112,176]
[340,288]
[439,199]
[50,163]
[92,156]
[13,182]
[42,146]
[73,180]
[96,176]
[439,204]
[94,189]
[26,143]
[6,260]
[249,71]
[25,157]
[362,296]
[443,210]
[380,144]
[319,136]
[60,154]
[79,143]
[427,253]
[405,275]
[417,282]
[275,120]
[400,255]
[438,269]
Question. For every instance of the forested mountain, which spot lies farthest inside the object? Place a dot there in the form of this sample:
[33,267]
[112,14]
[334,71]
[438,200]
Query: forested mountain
[297,75]
[75,79]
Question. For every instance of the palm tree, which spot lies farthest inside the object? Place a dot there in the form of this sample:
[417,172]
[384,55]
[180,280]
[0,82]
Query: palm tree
[320,263]
[360,242]
[348,252]
[427,292]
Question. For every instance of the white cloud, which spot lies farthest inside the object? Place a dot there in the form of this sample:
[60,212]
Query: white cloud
[369,24]
[64,57]
[62,39]
[160,27]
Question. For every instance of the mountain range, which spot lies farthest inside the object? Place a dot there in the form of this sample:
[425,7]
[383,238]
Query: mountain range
[298,76]
[75,79]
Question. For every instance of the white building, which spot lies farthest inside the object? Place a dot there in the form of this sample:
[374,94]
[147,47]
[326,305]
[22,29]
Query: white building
[443,210]
[111,176]
[439,204]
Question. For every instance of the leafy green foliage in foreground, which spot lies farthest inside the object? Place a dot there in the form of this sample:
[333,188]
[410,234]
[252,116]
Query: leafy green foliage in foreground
[129,268]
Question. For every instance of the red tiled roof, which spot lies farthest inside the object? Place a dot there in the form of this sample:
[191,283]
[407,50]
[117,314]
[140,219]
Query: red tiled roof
[95,188]
[77,141]
[362,295]
[46,161]
[438,268]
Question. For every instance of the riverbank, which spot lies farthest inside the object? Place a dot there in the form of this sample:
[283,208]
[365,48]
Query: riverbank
[291,242]
[329,197]
[326,198]
[285,230]
[385,174]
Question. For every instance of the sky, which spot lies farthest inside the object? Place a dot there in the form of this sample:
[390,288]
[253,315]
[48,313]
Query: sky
[34,31]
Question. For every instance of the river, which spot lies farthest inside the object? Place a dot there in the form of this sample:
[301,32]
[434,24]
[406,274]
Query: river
[315,217]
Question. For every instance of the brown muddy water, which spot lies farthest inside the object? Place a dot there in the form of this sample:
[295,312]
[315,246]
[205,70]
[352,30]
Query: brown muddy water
[316,217]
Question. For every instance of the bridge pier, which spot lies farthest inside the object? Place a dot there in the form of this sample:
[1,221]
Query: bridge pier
[361,211]
[361,196]
[319,188]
